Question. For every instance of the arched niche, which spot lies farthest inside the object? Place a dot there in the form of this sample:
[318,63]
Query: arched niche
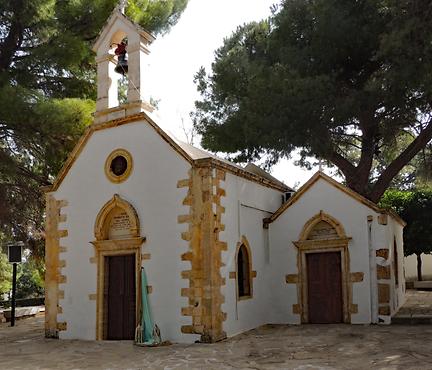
[322,226]
[117,220]
[117,37]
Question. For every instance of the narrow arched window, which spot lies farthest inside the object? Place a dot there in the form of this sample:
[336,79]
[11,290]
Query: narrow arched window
[243,273]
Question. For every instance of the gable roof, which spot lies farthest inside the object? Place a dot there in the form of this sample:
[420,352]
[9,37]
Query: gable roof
[117,14]
[188,152]
[351,193]
[197,153]
[253,168]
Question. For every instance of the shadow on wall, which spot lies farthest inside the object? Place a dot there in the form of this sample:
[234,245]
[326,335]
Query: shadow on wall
[411,267]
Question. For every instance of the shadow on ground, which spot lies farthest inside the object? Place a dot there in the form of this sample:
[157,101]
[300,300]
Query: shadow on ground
[269,347]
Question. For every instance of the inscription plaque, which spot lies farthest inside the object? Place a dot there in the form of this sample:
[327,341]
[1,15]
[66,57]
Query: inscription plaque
[119,226]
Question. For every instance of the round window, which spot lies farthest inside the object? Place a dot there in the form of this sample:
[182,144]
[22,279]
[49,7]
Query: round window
[118,165]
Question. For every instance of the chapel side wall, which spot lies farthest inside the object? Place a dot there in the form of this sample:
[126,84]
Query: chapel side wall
[389,294]
[398,290]
[152,190]
[242,220]
[284,255]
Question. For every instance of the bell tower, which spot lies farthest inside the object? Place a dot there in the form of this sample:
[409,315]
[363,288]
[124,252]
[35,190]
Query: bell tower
[121,49]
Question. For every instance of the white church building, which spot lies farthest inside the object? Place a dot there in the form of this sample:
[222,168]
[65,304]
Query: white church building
[225,248]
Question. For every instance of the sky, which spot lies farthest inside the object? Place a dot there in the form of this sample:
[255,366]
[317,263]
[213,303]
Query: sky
[191,43]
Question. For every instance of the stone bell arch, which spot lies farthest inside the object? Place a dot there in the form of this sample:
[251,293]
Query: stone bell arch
[117,28]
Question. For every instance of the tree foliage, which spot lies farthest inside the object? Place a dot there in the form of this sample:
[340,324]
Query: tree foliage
[415,207]
[30,282]
[47,92]
[346,81]
[5,275]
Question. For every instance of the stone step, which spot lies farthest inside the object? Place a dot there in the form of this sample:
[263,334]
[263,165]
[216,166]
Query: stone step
[423,285]
[412,320]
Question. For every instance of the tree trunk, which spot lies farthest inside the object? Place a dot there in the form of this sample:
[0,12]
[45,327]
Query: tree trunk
[12,41]
[404,158]
[419,267]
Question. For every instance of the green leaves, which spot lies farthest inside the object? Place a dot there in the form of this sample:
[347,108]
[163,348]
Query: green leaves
[30,283]
[47,92]
[156,16]
[5,275]
[340,80]
[36,135]
[415,207]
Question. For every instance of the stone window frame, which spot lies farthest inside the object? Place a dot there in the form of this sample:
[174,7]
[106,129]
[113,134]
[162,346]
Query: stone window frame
[251,273]
[244,286]
[124,176]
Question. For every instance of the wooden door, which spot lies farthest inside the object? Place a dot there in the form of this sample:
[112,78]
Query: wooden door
[120,297]
[325,303]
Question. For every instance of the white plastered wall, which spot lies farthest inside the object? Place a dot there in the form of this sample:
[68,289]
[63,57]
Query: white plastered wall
[152,190]
[411,267]
[287,228]
[246,205]
[395,234]
[384,238]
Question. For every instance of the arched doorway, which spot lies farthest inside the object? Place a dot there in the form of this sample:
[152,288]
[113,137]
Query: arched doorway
[118,258]
[324,290]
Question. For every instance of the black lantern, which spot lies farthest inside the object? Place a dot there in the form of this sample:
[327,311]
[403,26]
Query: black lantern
[15,252]
[14,256]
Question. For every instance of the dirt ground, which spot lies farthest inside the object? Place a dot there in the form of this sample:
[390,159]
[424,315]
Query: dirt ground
[303,347]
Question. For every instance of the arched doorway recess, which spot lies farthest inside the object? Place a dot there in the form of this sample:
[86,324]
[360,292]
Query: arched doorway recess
[324,289]
[118,257]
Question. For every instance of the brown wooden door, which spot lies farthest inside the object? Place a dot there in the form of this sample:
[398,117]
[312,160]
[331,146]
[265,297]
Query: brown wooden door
[120,297]
[324,287]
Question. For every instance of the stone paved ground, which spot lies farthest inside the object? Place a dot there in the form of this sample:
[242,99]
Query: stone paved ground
[418,302]
[304,347]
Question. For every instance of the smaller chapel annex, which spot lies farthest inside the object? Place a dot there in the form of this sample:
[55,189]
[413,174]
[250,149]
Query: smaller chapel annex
[225,249]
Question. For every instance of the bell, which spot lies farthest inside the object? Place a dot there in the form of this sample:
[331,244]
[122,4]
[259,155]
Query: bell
[122,65]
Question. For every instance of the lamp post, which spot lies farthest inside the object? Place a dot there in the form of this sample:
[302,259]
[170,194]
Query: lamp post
[14,257]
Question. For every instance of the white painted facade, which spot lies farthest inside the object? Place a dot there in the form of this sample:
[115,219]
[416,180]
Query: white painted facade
[152,190]
[251,211]
[247,204]
[353,215]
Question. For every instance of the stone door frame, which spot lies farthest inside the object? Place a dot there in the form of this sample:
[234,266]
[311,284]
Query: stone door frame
[339,244]
[105,247]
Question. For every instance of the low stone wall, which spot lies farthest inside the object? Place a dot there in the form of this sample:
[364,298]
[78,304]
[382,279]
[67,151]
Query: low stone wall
[20,312]
[411,267]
